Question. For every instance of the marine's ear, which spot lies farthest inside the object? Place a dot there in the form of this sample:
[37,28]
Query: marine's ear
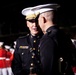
[44,19]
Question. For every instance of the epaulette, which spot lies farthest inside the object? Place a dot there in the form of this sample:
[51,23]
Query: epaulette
[24,36]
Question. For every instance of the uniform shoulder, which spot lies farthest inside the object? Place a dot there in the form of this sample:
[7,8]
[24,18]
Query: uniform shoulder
[52,32]
[22,37]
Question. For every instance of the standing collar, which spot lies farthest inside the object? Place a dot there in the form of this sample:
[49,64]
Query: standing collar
[51,28]
[36,36]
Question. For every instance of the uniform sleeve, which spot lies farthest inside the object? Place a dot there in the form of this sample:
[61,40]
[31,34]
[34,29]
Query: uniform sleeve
[11,58]
[47,48]
[16,62]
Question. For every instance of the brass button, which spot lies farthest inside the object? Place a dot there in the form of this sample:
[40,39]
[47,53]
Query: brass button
[34,41]
[33,48]
[32,56]
[32,64]
[38,50]
[22,53]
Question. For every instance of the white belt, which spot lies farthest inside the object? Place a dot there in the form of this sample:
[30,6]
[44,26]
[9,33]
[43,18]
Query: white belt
[7,59]
[2,58]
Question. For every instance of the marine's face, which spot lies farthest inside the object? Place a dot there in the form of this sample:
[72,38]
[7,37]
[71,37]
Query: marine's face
[33,27]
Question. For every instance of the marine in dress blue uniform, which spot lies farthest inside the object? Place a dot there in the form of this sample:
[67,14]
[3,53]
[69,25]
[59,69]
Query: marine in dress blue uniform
[56,55]
[55,46]
[26,59]
[26,55]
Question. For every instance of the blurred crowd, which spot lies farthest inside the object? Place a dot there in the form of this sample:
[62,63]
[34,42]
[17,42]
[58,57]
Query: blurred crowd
[6,57]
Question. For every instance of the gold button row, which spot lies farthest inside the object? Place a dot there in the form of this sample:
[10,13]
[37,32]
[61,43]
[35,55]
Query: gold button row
[34,41]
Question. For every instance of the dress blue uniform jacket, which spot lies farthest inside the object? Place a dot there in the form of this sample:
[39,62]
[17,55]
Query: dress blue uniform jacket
[26,55]
[53,46]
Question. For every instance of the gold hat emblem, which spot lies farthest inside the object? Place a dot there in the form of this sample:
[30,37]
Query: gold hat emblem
[31,16]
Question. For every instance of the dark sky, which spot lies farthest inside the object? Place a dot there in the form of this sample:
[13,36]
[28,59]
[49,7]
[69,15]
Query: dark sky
[12,21]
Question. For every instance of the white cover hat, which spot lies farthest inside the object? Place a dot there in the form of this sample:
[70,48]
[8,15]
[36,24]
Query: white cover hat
[7,47]
[45,7]
[29,13]
[33,12]
[11,49]
[15,42]
[1,43]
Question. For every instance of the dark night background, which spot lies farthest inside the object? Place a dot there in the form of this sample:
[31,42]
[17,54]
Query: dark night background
[12,23]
